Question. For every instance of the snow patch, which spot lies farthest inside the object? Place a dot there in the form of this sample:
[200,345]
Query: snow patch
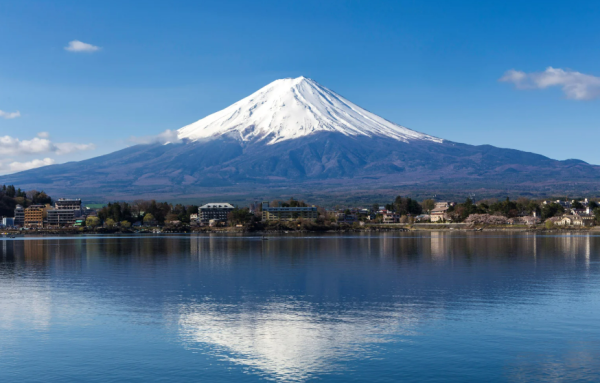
[293,108]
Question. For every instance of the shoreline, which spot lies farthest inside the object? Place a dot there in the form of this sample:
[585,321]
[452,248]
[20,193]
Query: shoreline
[344,229]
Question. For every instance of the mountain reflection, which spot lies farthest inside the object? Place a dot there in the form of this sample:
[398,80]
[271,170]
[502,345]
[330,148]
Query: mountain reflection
[294,308]
[291,341]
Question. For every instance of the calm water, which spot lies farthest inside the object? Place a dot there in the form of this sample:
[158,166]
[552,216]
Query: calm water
[434,307]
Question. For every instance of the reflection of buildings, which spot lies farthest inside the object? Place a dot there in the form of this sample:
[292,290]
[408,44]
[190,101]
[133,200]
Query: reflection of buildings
[438,249]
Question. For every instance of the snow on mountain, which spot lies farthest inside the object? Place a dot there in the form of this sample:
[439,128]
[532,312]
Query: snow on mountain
[292,108]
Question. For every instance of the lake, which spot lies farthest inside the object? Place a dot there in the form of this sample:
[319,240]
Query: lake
[432,307]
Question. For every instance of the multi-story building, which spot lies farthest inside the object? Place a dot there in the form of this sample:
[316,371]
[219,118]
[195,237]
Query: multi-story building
[68,204]
[60,217]
[34,216]
[19,215]
[66,211]
[281,213]
[8,221]
[214,211]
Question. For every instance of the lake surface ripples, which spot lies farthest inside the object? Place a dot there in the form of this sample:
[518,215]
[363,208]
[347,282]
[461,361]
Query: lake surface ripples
[374,308]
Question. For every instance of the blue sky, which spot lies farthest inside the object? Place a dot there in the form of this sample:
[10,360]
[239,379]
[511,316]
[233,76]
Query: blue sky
[431,66]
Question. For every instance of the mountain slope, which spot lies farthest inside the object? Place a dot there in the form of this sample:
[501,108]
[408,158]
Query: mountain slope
[296,136]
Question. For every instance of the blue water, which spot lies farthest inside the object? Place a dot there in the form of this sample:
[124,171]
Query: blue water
[368,308]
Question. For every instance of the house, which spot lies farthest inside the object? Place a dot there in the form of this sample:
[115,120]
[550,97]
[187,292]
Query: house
[390,217]
[582,212]
[214,211]
[439,211]
[342,217]
[572,220]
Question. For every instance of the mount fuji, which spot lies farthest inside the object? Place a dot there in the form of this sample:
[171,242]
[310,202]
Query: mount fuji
[296,136]
[289,109]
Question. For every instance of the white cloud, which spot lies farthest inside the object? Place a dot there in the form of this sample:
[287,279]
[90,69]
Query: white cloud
[9,115]
[43,134]
[167,137]
[79,46]
[14,146]
[575,85]
[69,147]
[15,166]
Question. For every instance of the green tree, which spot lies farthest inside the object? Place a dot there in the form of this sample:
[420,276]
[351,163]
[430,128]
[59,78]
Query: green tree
[126,224]
[405,206]
[549,224]
[92,221]
[171,217]
[239,216]
[10,191]
[428,205]
[597,215]
[148,218]
[552,210]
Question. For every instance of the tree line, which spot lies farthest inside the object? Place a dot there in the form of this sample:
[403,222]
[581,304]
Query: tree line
[10,197]
[145,211]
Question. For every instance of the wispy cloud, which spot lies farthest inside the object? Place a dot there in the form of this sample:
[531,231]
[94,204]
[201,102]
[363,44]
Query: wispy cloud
[9,115]
[79,46]
[167,137]
[40,144]
[575,85]
[15,166]
[69,147]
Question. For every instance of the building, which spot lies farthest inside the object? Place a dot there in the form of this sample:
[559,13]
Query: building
[68,204]
[439,211]
[215,210]
[390,217]
[281,213]
[19,216]
[572,220]
[8,221]
[582,212]
[34,216]
[66,211]
[60,217]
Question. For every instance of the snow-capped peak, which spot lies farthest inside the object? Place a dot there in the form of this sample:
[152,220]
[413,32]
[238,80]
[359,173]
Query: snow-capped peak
[292,108]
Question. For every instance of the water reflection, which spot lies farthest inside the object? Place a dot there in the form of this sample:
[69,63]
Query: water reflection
[294,309]
[291,341]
